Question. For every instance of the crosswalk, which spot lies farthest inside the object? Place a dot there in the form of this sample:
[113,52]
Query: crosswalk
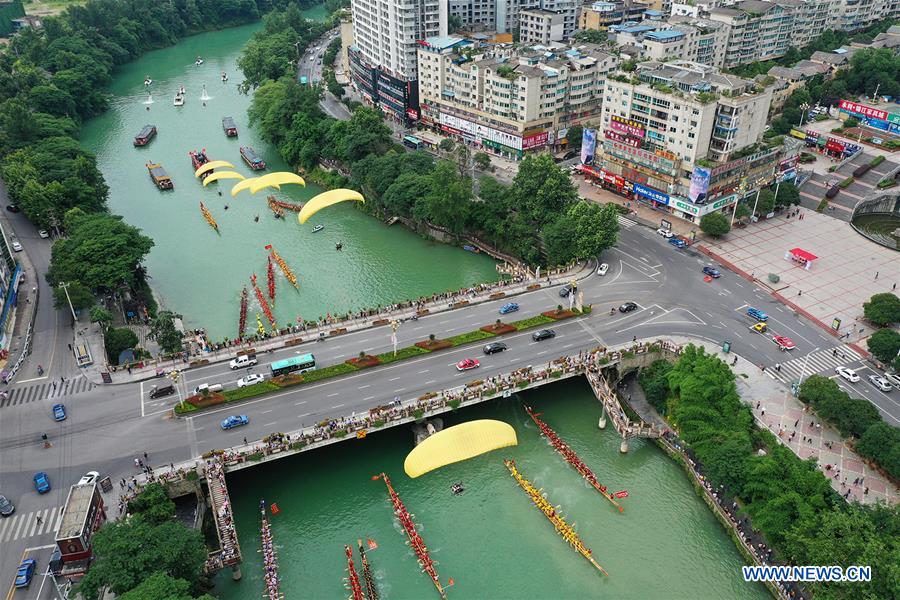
[819,362]
[26,525]
[626,223]
[46,390]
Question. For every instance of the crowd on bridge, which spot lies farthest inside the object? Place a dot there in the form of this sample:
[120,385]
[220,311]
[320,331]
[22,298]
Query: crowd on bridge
[215,478]
[270,561]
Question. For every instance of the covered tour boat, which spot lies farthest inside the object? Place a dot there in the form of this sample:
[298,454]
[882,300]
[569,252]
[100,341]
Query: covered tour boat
[160,177]
[198,158]
[253,160]
[146,134]
[179,99]
[229,127]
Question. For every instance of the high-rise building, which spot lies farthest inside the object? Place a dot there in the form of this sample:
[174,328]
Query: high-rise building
[510,100]
[539,26]
[383,57]
[697,40]
[758,30]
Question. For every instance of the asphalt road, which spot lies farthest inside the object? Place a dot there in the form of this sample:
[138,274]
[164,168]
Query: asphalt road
[109,426]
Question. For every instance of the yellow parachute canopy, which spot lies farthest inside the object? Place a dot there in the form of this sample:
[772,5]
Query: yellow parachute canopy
[222,175]
[326,199]
[275,180]
[460,442]
[213,164]
[240,186]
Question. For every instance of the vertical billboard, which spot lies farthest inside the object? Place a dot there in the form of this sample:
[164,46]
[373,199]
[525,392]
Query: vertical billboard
[588,146]
[699,185]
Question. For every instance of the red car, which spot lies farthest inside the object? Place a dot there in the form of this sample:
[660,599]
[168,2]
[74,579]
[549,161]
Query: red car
[467,363]
[784,342]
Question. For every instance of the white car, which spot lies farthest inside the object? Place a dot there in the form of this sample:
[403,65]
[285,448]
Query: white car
[43,233]
[602,269]
[89,477]
[664,232]
[251,379]
[17,247]
[880,382]
[848,374]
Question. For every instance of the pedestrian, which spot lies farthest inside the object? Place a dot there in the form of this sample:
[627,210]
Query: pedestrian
[62,379]
[757,405]
[763,412]
[876,274]
[137,463]
[778,367]
[894,287]
[39,519]
[145,456]
[834,351]
[799,292]
[796,422]
[245,441]
[70,347]
[763,367]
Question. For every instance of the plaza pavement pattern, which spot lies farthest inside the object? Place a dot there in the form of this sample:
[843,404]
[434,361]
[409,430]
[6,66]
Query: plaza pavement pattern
[849,270]
[778,410]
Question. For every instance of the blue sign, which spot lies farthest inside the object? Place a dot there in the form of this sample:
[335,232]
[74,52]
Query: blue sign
[651,194]
[588,146]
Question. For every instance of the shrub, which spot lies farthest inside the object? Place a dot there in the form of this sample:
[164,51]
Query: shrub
[885,344]
[886,183]
[454,404]
[653,380]
[846,183]
[882,309]
[418,413]
[877,160]
[255,457]
[471,336]
[715,224]
[340,434]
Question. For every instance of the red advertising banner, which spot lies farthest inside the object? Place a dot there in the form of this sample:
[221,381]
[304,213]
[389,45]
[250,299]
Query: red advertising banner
[626,126]
[862,109]
[412,114]
[536,140]
[622,494]
[625,139]
[834,145]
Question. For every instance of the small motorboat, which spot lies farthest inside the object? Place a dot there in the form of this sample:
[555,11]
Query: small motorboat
[179,100]
[159,176]
[224,76]
[253,160]
[198,62]
[198,158]
[147,80]
[181,90]
[318,228]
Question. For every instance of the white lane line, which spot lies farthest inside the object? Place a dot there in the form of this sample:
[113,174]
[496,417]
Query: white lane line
[266,411]
[398,390]
[334,394]
[425,371]
[394,378]
[337,406]
[368,398]
[429,381]
[362,387]
[271,424]
[299,403]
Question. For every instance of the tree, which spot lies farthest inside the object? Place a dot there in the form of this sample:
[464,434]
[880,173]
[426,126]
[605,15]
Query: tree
[591,36]
[788,195]
[366,134]
[447,202]
[882,309]
[117,340]
[596,228]
[446,145]
[879,442]
[541,189]
[715,224]
[163,331]
[80,296]
[454,23]
[153,503]
[160,586]
[885,344]
[558,241]
[765,203]
[482,161]
[101,252]
[99,314]
[655,384]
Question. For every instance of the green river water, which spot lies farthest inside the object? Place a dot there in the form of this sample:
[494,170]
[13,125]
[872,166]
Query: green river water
[491,540]
[199,273]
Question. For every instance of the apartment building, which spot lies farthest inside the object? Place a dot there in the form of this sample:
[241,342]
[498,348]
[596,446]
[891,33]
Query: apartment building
[695,40]
[758,30]
[601,15]
[538,26]
[510,100]
[474,14]
[667,124]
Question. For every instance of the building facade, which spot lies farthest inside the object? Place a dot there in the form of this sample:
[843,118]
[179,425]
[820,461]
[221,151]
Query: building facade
[757,31]
[538,26]
[696,40]
[507,100]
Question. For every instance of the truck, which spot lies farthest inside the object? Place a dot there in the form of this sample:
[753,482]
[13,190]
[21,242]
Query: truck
[206,388]
[245,360]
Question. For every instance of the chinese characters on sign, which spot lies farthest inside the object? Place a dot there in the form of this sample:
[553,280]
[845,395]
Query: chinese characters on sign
[862,109]
[625,139]
[627,126]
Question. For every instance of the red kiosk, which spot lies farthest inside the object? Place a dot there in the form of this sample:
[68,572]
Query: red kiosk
[801,257]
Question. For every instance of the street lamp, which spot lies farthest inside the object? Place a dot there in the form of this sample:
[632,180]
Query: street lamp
[65,288]
[803,371]
[803,108]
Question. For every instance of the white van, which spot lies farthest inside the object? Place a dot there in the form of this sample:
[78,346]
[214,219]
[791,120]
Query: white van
[206,388]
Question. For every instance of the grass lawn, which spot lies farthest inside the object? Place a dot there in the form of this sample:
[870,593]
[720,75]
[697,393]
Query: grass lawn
[471,336]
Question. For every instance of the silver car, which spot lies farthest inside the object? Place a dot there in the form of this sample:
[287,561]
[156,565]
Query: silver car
[880,382]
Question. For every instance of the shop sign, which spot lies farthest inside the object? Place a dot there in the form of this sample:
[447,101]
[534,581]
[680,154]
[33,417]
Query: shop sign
[643,157]
[412,114]
[684,206]
[618,137]
[862,109]
[651,194]
[535,141]
[627,126]
[834,145]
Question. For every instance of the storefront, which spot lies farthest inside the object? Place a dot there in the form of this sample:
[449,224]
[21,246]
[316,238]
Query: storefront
[397,98]
[875,118]
[505,143]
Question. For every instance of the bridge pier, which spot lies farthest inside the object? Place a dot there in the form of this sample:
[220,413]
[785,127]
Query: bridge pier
[236,573]
[602,423]
[623,447]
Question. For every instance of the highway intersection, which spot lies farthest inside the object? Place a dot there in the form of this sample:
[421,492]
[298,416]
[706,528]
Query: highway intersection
[108,426]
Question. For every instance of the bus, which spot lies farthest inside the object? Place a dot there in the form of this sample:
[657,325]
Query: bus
[411,141]
[297,364]
[303,80]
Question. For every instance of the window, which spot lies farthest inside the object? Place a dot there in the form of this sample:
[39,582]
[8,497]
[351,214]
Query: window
[693,123]
[691,135]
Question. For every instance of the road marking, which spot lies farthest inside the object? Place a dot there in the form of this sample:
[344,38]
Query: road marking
[337,406]
[334,394]
[425,371]
[299,403]
[429,381]
[270,424]
[303,415]
[398,390]
[368,398]
[33,379]
[394,378]
[265,412]
[142,400]
[362,387]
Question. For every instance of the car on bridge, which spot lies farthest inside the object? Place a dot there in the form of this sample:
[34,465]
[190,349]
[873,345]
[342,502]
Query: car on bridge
[508,308]
[628,307]
[714,273]
[467,364]
[494,347]
[25,573]
[678,243]
[848,374]
[880,382]
[59,412]
[543,334]
[235,421]
[784,342]
[251,379]
[41,482]
[757,314]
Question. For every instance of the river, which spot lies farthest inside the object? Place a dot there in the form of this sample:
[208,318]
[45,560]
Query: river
[491,540]
[199,273]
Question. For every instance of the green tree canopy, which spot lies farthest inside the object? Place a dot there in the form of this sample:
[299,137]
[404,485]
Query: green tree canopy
[884,344]
[163,331]
[80,296]
[99,314]
[715,224]
[117,340]
[160,586]
[541,189]
[882,309]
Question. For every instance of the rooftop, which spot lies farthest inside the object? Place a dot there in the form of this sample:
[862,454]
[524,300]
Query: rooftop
[664,35]
[76,511]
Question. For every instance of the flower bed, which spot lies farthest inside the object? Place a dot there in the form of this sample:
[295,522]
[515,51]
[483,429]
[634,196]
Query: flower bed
[380,322]
[250,391]
[530,322]
[558,315]
[402,354]
[287,380]
[497,295]
[459,304]
[326,372]
[467,338]
[293,342]
[432,345]
[364,362]
[338,331]
[422,312]
[499,328]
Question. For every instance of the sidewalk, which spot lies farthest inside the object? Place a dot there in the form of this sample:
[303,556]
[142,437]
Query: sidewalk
[777,410]
[21,315]
[641,213]
[90,333]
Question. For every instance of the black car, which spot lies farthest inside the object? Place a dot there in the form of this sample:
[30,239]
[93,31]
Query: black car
[628,307]
[158,391]
[12,208]
[494,347]
[6,507]
[543,334]
[565,290]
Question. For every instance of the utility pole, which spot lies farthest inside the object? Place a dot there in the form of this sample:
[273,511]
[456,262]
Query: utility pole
[805,363]
[65,288]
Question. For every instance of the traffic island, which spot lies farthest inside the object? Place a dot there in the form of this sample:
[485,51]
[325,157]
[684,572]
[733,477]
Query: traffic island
[499,328]
[559,315]
[432,344]
[363,361]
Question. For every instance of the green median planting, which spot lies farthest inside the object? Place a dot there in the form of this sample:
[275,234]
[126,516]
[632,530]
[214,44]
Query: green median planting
[196,403]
